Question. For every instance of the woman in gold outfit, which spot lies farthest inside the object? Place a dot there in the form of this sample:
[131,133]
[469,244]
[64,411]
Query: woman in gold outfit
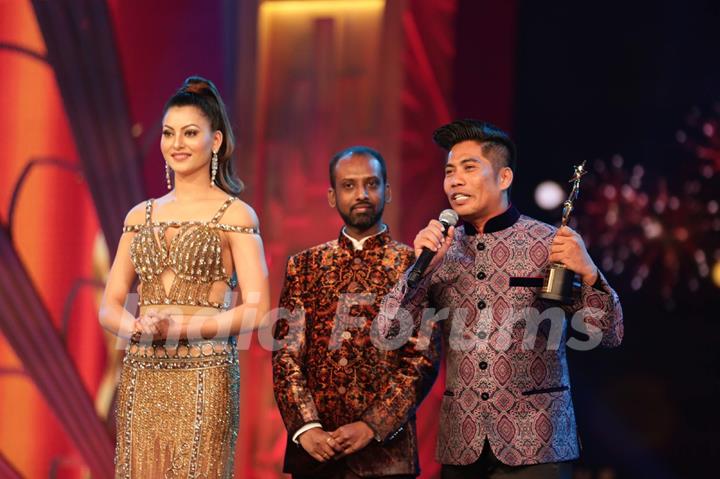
[177,408]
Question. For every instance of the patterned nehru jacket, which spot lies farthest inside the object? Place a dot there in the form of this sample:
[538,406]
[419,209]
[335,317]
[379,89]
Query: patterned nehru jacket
[328,369]
[507,372]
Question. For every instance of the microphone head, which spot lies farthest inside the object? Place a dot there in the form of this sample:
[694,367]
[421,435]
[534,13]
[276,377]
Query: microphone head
[449,217]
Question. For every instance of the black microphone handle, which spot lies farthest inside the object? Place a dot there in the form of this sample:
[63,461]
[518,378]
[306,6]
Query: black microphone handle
[423,261]
[419,267]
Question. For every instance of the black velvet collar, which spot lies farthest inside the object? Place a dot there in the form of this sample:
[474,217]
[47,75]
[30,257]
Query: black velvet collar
[496,223]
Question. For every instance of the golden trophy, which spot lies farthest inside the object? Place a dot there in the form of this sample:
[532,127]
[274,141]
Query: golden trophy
[560,283]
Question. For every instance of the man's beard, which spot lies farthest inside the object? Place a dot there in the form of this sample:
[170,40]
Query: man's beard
[362,221]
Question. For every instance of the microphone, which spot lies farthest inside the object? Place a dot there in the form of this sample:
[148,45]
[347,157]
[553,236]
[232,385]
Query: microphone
[448,218]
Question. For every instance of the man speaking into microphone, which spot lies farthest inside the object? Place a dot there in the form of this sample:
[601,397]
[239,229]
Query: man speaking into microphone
[507,409]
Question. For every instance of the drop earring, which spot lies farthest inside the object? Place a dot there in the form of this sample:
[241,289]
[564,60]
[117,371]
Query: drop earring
[213,168]
[167,176]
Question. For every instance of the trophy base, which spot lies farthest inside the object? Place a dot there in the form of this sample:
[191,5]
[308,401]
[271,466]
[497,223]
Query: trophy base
[560,284]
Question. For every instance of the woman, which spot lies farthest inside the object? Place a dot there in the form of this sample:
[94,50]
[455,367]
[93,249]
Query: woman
[178,394]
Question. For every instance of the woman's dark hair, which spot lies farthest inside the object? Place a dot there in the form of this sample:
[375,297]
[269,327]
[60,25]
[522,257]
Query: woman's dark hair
[201,93]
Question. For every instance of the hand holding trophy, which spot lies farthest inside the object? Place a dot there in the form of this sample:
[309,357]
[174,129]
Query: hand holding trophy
[560,282]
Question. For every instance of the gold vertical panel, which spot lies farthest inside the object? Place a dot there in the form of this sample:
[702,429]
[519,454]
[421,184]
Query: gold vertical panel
[321,73]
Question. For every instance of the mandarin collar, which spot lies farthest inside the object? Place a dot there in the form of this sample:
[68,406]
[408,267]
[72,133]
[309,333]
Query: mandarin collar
[496,223]
[371,242]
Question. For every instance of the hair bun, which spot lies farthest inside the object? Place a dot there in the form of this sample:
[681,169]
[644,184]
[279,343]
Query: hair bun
[197,85]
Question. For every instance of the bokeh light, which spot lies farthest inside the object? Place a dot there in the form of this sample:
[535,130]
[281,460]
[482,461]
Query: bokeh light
[549,195]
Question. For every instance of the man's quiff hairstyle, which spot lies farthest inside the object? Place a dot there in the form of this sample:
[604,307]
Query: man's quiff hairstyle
[496,144]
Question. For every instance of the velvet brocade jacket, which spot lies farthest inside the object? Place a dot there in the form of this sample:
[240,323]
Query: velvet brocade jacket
[507,374]
[327,368]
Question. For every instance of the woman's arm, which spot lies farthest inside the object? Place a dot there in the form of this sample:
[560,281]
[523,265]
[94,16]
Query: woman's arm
[112,315]
[252,273]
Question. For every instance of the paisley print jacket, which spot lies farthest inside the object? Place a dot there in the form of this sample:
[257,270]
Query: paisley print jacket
[326,367]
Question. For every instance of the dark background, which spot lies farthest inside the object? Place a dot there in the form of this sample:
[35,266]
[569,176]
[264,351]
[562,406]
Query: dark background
[595,79]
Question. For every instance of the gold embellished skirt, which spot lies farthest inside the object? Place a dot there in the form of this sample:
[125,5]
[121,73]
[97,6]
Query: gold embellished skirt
[177,410]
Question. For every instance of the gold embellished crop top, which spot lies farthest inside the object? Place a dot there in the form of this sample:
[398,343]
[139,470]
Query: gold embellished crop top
[194,255]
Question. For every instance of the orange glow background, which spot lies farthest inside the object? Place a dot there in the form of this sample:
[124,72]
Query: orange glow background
[56,241]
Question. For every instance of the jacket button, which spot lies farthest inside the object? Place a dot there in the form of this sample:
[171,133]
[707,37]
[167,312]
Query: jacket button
[342,390]
[343,362]
[481,304]
[481,246]
[483,365]
[481,275]
[485,396]
[482,334]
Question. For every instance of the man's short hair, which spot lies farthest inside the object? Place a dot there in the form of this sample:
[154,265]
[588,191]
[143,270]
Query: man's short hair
[496,144]
[357,150]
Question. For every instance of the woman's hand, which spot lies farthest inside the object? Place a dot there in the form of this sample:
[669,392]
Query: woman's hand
[153,324]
